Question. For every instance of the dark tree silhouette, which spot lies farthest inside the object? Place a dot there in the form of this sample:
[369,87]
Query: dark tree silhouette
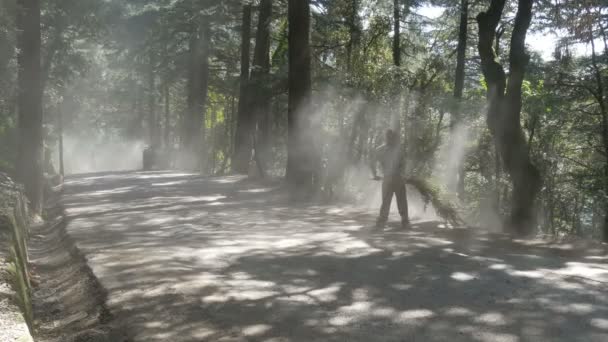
[396,60]
[153,122]
[461,50]
[245,120]
[300,147]
[261,97]
[30,156]
[198,78]
[503,117]
[396,33]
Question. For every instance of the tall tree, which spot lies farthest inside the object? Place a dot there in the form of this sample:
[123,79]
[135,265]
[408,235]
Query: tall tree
[167,107]
[60,137]
[153,122]
[300,145]
[260,93]
[601,100]
[397,61]
[396,33]
[505,103]
[599,93]
[245,119]
[204,76]
[166,79]
[461,50]
[354,33]
[30,156]
[198,75]
[193,88]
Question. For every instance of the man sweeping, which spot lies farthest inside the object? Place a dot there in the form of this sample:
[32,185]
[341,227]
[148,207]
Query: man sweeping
[390,157]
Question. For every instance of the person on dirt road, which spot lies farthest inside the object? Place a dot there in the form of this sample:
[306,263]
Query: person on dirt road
[390,157]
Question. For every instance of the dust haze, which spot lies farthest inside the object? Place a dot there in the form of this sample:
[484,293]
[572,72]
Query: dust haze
[332,117]
[333,114]
[83,155]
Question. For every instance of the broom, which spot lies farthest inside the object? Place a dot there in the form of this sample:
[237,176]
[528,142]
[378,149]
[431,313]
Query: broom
[431,193]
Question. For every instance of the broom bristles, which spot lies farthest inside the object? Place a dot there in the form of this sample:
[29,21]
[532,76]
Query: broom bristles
[445,208]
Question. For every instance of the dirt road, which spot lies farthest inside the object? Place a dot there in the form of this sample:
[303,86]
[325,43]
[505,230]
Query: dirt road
[185,258]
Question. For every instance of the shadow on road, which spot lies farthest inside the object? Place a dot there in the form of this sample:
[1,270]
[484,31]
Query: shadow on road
[186,258]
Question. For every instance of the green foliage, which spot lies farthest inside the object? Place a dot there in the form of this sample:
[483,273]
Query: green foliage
[99,56]
[433,194]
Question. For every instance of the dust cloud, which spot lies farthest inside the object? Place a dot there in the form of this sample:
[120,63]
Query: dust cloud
[96,155]
[332,114]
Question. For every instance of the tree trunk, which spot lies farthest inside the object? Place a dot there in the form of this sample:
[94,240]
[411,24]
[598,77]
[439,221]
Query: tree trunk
[29,160]
[461,50]
[204,75]
[497,184]
[132,129]
[167,102]
[261,96]
[141,111]
[458,90]
[354,32]
[396,33]
[232,125]
[197,97]
[245,121]
[60,133]
[193,86]
[213,142]
[152,119]
[229,113]
[358,121]
[363,136]
[505,101]
[605,225]
[396,120]
[601,100]
[300,149]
